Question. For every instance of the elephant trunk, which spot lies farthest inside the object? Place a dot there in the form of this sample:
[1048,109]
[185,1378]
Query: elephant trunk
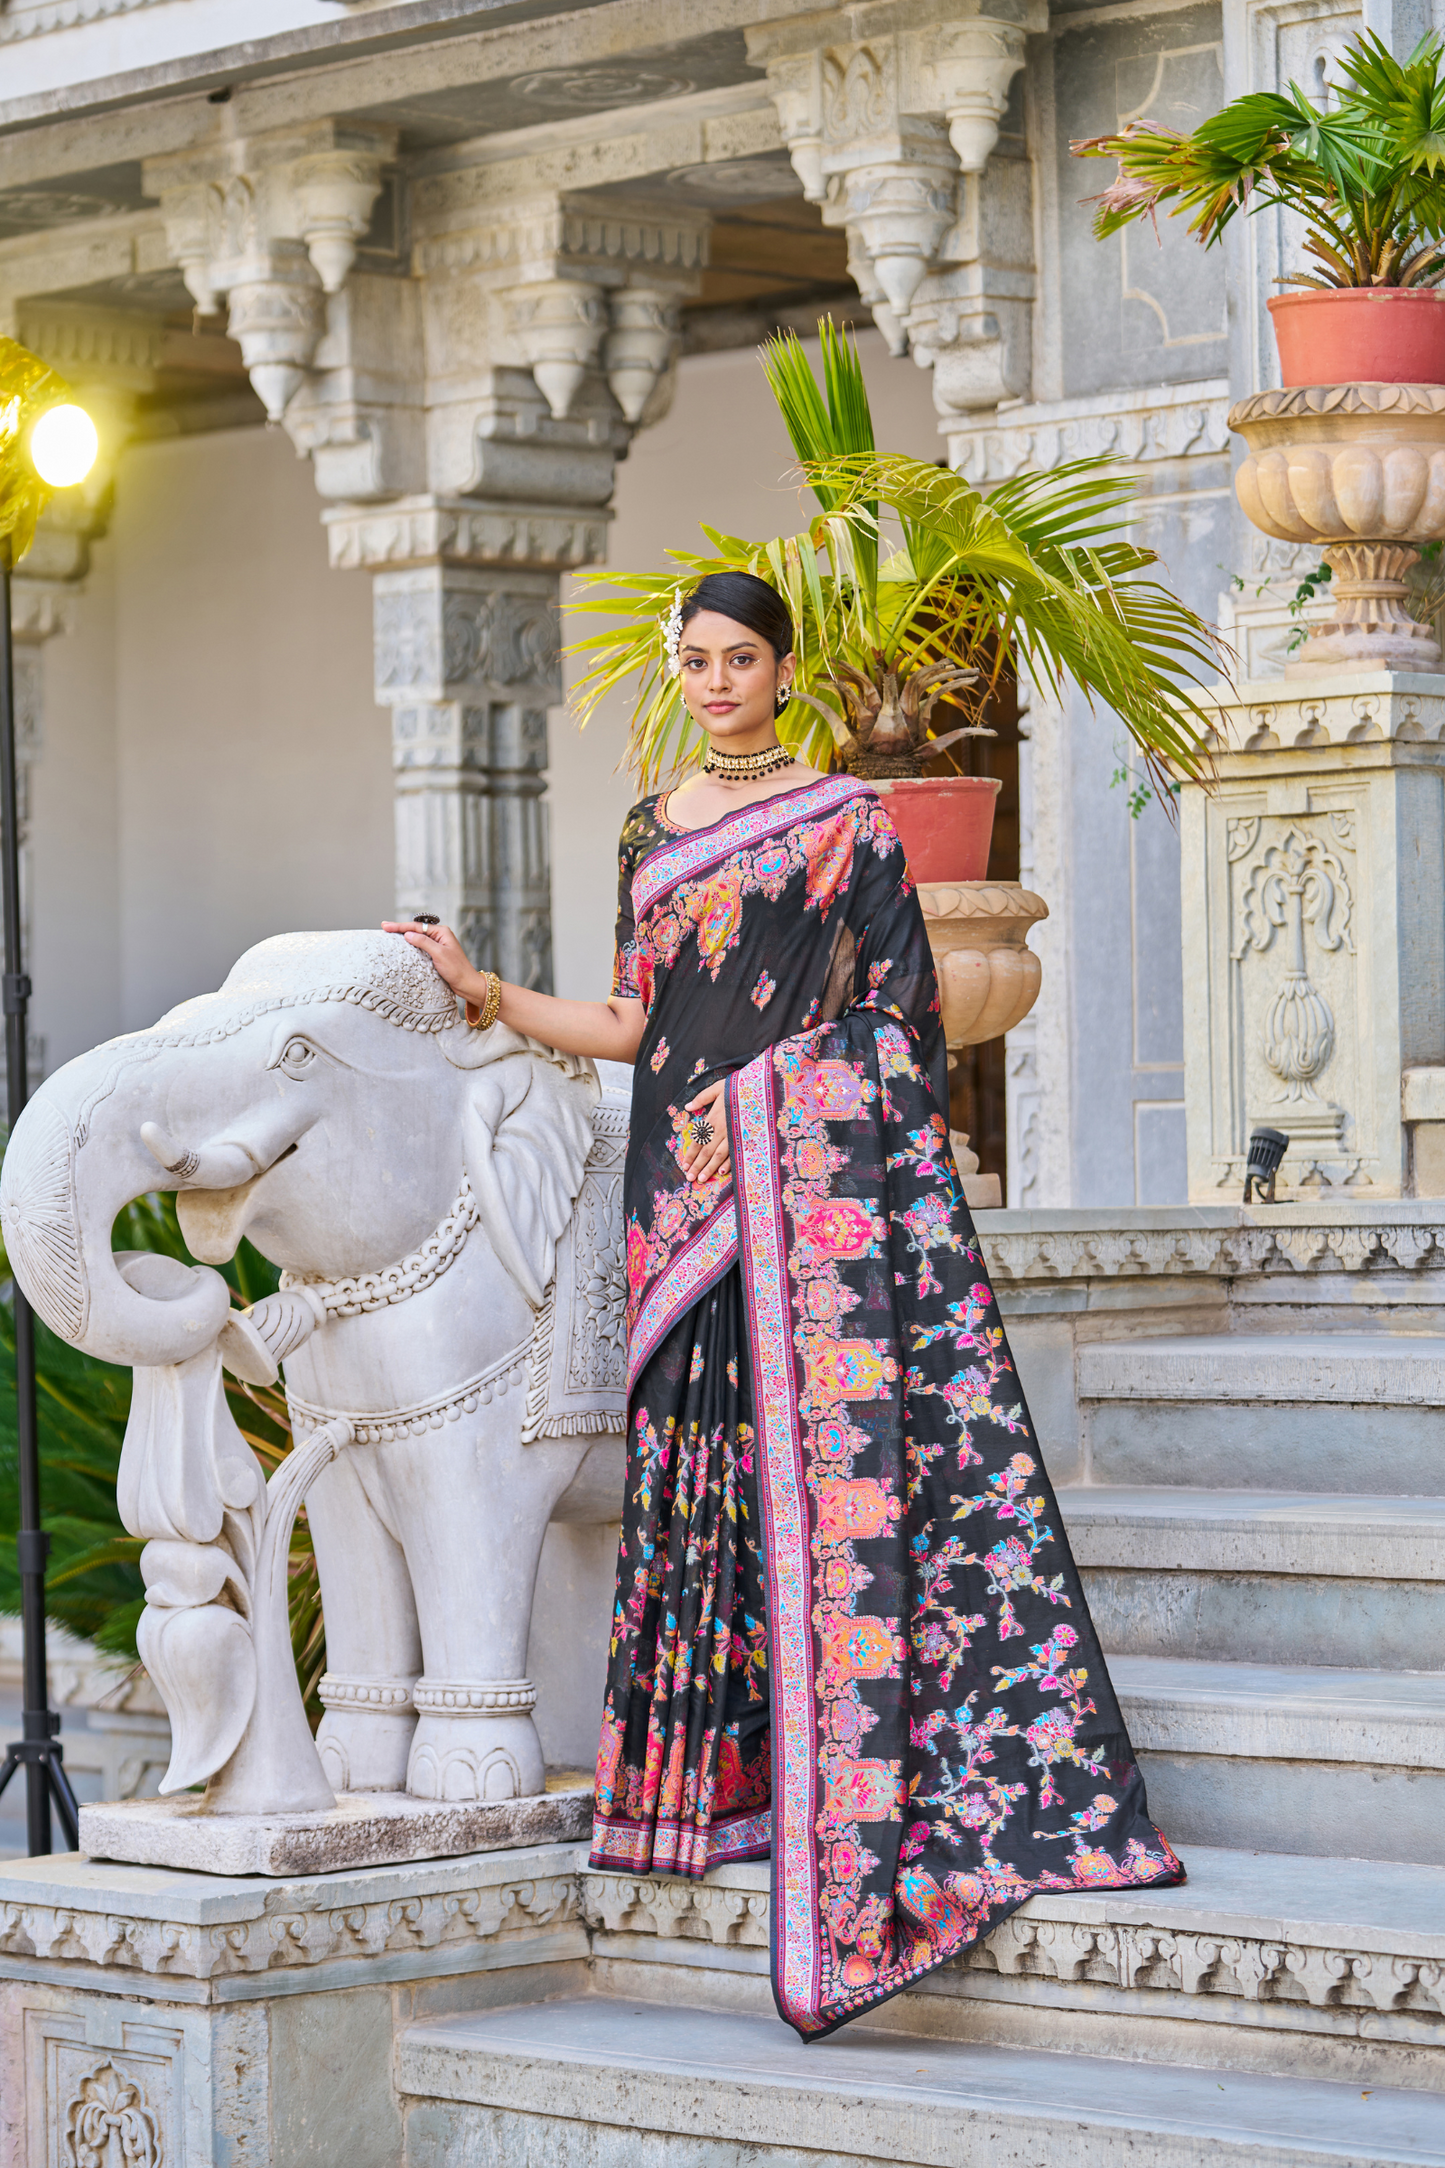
[75,1159]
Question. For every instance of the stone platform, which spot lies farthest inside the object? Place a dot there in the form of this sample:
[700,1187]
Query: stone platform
[363,1829]
[517,2007]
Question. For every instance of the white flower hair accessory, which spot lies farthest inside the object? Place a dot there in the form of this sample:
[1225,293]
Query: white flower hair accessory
[672,635]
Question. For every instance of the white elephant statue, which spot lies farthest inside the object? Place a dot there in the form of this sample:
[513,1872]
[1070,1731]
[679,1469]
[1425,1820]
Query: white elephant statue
[445,1205]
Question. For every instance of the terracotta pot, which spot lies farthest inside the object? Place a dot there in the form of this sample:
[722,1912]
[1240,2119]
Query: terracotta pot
[945,823]
[1361,335]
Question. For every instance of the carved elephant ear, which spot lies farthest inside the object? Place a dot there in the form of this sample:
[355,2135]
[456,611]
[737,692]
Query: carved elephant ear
[528,1130]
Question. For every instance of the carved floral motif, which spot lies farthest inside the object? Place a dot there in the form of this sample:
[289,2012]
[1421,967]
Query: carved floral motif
[1247,1967]
[1295,882]
[108,2125]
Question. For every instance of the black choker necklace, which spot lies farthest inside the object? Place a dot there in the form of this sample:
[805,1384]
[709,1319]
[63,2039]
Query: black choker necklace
[742,767]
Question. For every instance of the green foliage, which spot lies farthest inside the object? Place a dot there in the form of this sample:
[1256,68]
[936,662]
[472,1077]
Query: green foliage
[1366,173]
[93,1582]
[1036,575]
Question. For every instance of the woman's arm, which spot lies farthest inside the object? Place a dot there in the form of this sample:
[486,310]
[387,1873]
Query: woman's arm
[608,1030]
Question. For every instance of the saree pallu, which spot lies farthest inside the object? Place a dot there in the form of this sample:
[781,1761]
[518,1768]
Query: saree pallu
[836,1510]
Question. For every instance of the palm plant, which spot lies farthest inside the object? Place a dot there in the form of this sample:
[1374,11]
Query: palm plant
[93,1583]
[1367,174]
[1036,575]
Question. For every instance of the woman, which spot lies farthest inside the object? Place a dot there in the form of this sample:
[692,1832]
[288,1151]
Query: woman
[848,1630]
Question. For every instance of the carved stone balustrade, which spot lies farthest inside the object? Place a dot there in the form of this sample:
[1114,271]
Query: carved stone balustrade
[1358,471]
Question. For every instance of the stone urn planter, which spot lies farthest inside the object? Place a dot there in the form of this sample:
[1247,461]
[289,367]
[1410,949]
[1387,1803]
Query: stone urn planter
[988,979]
[1357,471]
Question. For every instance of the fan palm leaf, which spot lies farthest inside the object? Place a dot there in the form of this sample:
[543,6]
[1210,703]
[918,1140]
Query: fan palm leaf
[1039,571]
[1366,172]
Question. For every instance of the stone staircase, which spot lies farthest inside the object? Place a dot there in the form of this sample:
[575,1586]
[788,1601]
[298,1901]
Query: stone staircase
[1262,1528]
[1274,1609]
[1261,1523]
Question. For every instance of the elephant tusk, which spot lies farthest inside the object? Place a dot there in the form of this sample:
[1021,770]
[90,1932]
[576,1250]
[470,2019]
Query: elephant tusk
[170,1155]
[214,1166]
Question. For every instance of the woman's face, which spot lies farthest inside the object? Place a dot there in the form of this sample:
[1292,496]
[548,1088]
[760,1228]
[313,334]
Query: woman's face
[730,677]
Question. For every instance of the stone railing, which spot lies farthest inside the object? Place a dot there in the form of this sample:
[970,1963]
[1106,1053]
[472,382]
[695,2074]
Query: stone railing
[1220,1242]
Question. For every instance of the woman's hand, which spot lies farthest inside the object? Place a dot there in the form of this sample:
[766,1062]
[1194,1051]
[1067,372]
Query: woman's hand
[442,948]
[607,1030]
[708,1160]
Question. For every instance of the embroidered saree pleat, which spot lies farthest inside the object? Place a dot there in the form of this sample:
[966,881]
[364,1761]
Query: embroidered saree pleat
[683,1778]
[848,1628]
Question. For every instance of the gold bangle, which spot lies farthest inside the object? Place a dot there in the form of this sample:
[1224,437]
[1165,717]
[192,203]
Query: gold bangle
[483,1018]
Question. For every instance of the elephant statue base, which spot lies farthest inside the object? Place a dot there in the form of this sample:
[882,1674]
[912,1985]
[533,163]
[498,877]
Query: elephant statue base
[445,1204]
[362,1829]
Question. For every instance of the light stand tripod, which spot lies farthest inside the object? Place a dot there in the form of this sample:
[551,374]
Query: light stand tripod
[39,1751]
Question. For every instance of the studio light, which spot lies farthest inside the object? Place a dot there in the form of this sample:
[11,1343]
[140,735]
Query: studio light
[63,446]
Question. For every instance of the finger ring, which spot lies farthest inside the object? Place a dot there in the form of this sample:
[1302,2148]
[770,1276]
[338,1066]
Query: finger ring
[426,918]
[702,1129]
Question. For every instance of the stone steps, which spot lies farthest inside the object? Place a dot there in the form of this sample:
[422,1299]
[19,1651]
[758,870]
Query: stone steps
[1262,1576]
[1343,1412]
[697,2087]
[1275,1757]
[1271,1610]
[1260,1962]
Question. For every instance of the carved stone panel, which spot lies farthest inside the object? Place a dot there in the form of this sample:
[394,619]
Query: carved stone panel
[104,2086]
[1312,870]
[1296,984]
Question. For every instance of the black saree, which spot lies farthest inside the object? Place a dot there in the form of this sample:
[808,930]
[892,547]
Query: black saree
[848,1627]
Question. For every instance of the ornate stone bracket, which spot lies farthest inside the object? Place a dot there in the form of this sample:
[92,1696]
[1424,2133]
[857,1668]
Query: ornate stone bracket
[890,115]
[271,224]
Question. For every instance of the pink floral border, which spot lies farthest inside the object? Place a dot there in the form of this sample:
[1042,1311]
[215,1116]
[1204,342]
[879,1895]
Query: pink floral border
[664,868]
[752,1114]
[688,1277]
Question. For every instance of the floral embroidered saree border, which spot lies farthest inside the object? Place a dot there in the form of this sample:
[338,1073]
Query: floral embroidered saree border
[752,1113]
[671,863]
[682,1283]
[681,1848]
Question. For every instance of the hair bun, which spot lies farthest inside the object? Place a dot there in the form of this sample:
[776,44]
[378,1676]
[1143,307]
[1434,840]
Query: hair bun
[747,600]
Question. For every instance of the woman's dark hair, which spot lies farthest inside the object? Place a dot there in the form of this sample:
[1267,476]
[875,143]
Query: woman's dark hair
[748,601]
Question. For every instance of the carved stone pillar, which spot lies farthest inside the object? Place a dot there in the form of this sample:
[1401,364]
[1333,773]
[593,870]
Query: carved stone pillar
[466,659]
[498,389]
[890,115]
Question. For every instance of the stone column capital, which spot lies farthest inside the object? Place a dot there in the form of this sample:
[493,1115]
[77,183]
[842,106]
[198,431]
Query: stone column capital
[538,330]
[472,532]
[846,80]
[572,287]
